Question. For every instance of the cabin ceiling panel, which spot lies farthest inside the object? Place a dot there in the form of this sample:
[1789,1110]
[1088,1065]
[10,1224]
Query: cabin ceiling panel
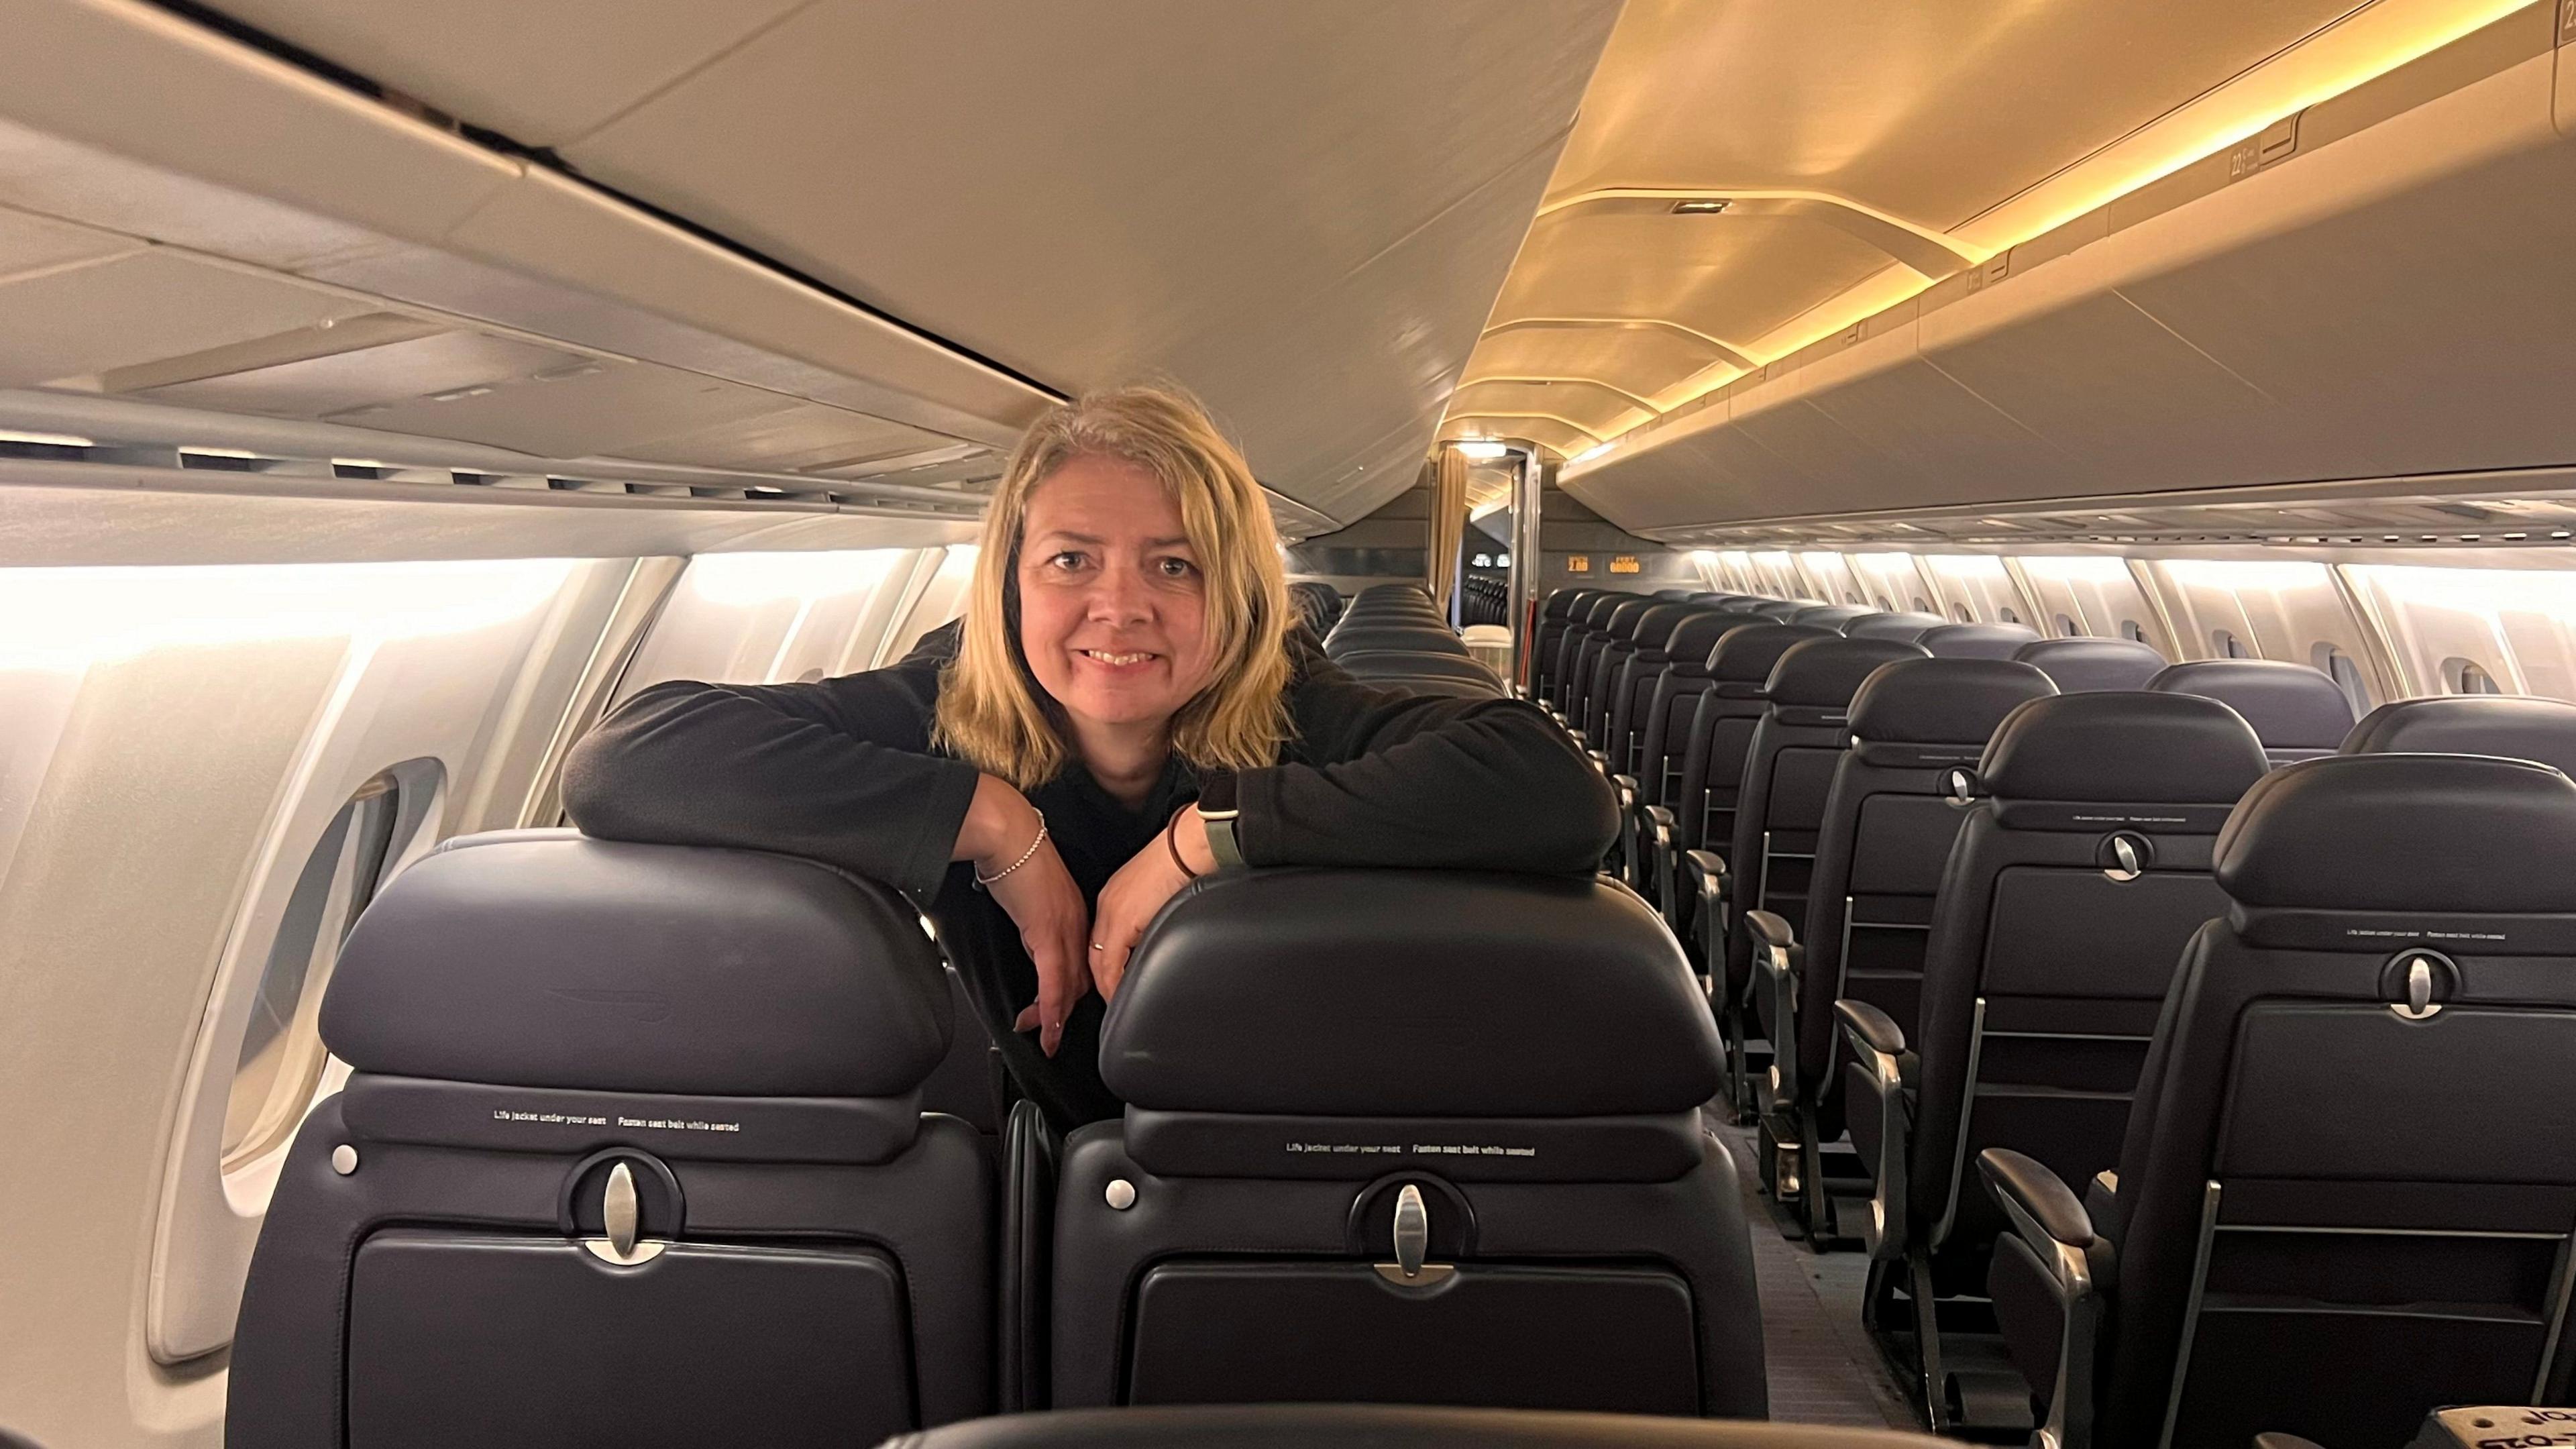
[346,382]
[144,306]
[30,243]
[1640,360]
[1590,408]
[1542,431]
[613,410]
[1838,468]
[541,74]
[806,436]
[1089,194]
[1928,112]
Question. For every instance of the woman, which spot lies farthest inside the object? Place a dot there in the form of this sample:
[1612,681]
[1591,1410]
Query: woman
[1031,769]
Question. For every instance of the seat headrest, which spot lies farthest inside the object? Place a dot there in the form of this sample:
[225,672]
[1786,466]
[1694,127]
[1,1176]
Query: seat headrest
[1630,613]
[1976,641]
[1745,656]
[2381,833]
[1391,993]
[1830,616]
[545,959]
[1562,602]
[2517,727]
[1700,632]
[1608,602]
[1825,673]
[1942,701]
[1785,610]
[1909,628]
[2128,748]
[1655,628]
[2080,666]
[2290,706]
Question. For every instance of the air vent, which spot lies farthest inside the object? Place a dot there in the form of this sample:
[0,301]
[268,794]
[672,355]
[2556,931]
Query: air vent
[1701,206]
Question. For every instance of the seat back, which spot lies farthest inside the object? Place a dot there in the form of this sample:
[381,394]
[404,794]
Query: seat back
[1905,628]
[1582,626]
[1789,763]
[1889,822]
[632,1142]
[1562,611]
[2065,903]
[1633,690]
[1614,631]
[1318,604]
[1664,736]
[1713,764]
[2516,727]
[1328,1184]
[1786,610]
[2347,1193]
[2299,713]
[1976,641]
[2081,666]
[1629,632]
[1831,616]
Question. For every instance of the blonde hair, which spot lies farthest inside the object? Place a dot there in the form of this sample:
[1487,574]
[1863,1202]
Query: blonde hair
[993,714]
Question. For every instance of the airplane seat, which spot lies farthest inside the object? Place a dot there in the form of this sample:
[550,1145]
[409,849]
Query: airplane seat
[1354,637]
[1905,628]
[1634,686]
[1368,1426]
[1832,616]
[1663,743]
[2081,666]
[1318,603]
[1574,650]
[1555,616]
[1374,663]
[2345,1195]
[1789,761]
[632,1152]
[1406,1136]
[1613,631]
[2517,727]
[1627,627]
[2297,711]
[1713,772]
[1977,641]
[1889,821]
[2065,903]
[1786,610]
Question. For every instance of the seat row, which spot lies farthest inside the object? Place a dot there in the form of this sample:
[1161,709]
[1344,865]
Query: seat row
[1394,637]
[1996,879]
[641,1146]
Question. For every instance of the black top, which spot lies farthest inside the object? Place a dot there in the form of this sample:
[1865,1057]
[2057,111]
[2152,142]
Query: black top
[843,771]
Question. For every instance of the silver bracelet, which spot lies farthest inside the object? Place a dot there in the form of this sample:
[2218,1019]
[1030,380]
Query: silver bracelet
[1025,857]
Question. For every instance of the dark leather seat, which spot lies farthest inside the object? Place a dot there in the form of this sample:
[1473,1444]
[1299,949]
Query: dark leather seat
[1786,610]
[1383,663]
[1330,1186]
[1318,603]
[2299,713]
[2346,1191]
[1905,628]
[1582,626]
[2082,666]
[2517,727]
[1976,641]
[2066,901]
[632,1143]
[1789,762]
[1292,1426]
[1713,773]
[1832,616]
[1354,637]
[1663,744]
[1607,706]
[1888,825]
[1555,616]
[1613,632]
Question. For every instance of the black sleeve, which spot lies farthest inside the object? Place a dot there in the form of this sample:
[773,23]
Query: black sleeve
[1400,780]
[839,771]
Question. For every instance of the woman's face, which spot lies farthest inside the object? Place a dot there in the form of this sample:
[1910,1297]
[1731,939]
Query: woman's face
[1112,605]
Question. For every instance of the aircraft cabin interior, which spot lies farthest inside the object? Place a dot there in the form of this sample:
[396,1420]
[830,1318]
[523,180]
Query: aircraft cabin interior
[2028,545]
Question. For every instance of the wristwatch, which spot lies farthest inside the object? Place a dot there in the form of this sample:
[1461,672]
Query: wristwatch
[1217,812]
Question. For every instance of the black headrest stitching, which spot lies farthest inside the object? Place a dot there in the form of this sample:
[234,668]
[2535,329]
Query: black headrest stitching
[2123,748]
[1942,701]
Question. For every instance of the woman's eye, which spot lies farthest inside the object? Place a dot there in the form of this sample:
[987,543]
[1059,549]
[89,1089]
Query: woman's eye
[1176,568]
[1067,560]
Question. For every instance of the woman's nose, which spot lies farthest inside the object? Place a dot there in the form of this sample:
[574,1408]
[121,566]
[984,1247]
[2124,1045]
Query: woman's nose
[1120,598]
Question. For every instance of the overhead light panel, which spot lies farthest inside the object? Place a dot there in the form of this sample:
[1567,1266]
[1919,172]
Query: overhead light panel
[1701,206]
[1595,451]
[1484,452]
[46,440]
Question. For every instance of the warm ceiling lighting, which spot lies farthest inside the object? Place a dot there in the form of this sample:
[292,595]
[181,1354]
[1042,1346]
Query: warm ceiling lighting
[1701,206]
[1595,451]
[1481,452]
[47,440]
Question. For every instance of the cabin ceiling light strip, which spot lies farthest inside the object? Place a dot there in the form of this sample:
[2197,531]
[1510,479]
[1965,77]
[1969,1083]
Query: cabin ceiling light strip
[2357,48]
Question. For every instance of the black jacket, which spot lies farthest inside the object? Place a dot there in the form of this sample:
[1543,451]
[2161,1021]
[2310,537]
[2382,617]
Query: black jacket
[843,771]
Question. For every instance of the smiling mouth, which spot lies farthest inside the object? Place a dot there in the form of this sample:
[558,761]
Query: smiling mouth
[1115,660]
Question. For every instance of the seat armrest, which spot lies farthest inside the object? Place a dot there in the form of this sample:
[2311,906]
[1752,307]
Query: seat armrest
[1626,785]
[1655,875]
[1771,930]
[1707,873]
[1870,1027]
[2036,1199]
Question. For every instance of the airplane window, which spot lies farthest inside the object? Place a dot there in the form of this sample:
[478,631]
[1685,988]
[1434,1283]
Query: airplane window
[1884,606]
[1922,605]
[2009,616]
[2066,626]
[2346,675]
[2129,630]
[1960,613]
[2468,677]
[2229,646]
[282,1055]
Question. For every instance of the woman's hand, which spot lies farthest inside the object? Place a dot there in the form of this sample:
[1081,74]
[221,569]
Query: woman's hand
[1138,892]
[1040,897]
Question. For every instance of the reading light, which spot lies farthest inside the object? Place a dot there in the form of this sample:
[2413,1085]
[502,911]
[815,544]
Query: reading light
[1481,452]
[47,440]
[1701,206]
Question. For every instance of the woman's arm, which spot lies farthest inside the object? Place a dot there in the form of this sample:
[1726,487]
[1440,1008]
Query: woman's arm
[838,771]
[1400,780]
